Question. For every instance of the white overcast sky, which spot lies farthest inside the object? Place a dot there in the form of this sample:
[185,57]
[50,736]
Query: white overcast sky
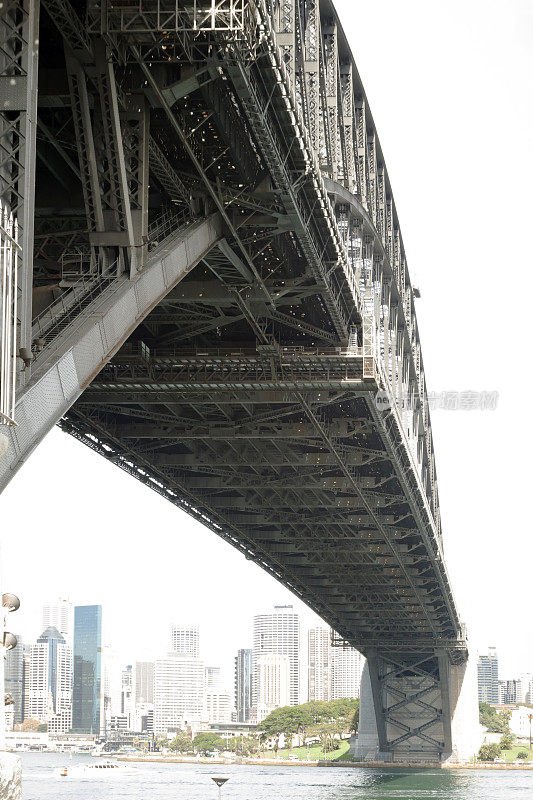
[449,83]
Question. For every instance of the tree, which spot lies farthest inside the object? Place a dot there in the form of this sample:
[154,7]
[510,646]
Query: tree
[43,727]
[243,745]
[506,742]
[522,755]
[488,752]
[181,743]
[285,721]
[206,742]
[492,720]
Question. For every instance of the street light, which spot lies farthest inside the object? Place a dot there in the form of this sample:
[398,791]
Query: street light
[220,783]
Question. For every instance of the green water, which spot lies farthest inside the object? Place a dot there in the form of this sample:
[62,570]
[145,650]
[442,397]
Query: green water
[193,782]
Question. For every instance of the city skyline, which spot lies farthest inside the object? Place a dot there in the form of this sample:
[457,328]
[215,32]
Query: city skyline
[205,649]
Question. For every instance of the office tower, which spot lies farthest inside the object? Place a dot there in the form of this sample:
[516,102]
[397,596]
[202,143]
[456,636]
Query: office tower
[59,615]
[49,685]
[522,688]
[213,679]
[218,706]
[319,664]
[87,705]
[243,684]
[186,639]
[279,634]
[346,670]
[127,695]
[144,682]
[508,692]
[487,677]
[179,688]
[14,679]
[272,671]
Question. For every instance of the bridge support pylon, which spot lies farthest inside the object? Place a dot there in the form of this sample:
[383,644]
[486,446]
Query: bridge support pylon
[417,708]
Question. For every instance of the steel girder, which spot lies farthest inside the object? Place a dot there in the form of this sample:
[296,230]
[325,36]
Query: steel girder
[246,396]
[19,52]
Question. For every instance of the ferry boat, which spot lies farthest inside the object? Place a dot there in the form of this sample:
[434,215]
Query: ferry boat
[100,770]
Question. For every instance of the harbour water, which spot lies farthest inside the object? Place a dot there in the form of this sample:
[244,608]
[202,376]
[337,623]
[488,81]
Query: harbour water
[193,782]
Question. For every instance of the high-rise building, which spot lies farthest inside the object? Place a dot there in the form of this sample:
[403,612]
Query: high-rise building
[487,677]
[243,684]
[49,685]
[59,615]
[272,672]
[319,664]
[127,695]
[87,705]
[218,706]
[186,639]
[14,679]
[213,679]
[509,692]
[144,682]
[278,634]
[346,670]
[179,688]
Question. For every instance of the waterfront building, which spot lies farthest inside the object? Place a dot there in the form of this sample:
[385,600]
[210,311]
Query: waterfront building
[179,688]
[243,685]
[218,706]
[521,722]
[49,683]
[487,677]
[59,615]
[87,705]
[186,639]
[272,673]
[143,720]
[144,682]
[278,633]
[346,671]
[319,664]
[14,679]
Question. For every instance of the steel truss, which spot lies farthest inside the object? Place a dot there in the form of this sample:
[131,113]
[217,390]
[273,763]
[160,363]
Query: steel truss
[247,395]
[19,49]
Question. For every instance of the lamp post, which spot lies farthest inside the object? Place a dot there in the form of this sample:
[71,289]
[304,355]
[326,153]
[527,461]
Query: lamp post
[220,783]
[530,717]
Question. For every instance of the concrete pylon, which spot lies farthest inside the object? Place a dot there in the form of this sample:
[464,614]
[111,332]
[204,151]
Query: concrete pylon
[417,708]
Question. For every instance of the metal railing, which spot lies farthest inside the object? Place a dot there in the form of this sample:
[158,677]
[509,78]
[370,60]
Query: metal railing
[9,256]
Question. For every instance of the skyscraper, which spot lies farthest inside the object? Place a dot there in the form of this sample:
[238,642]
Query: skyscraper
[144,682]
[87,703]
[49,686]
[346,670]
[14,678]
[487,677]
[186,639]
[179,688]
[273,683]
[127,695]
[243,685]
[319,664]
[279,634]
[59,615]
[213,679]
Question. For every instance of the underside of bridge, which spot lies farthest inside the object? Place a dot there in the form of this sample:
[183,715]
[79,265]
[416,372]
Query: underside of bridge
[222,307]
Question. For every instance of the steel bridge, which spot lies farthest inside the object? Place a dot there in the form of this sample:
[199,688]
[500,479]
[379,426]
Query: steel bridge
[213,294]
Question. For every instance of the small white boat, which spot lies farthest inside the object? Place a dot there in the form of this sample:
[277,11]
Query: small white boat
[101,770]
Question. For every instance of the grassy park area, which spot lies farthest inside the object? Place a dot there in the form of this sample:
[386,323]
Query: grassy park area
[316,752]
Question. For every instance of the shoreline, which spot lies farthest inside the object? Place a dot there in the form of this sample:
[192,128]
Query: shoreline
[271,762]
